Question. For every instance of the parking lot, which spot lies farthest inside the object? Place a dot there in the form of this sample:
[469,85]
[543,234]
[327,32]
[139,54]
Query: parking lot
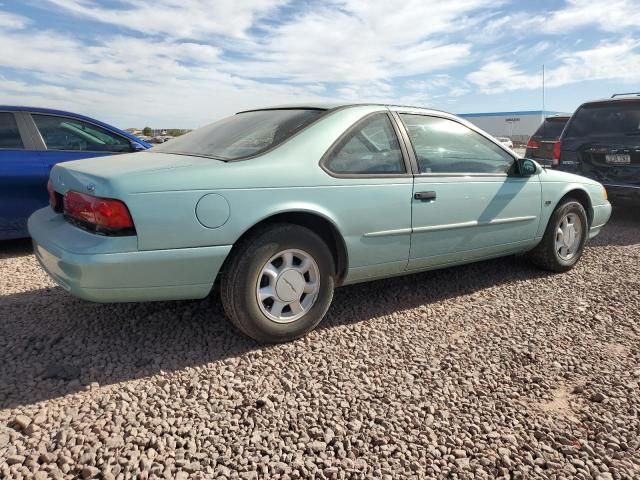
[486,370]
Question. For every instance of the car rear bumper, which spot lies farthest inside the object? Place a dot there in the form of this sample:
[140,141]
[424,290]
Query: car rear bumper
[94,269]
[601,215]
[623,192]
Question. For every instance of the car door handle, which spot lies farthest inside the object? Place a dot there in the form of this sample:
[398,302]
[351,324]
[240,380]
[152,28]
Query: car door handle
[425,196]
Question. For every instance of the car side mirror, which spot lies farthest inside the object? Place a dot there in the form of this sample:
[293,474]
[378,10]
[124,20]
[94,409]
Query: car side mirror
[527,167]
[136,147]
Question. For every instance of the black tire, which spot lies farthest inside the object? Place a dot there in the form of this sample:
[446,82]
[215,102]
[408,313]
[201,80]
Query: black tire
[545,254]
[240,278]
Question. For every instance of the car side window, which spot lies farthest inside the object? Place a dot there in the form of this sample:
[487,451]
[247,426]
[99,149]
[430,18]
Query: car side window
[370,147]
[9,133]
[66,133]
[445,146]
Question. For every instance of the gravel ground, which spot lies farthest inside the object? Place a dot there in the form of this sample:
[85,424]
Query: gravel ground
[483,371]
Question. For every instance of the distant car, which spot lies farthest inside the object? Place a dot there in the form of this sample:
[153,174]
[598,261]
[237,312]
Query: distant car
[542,143]
[32,141]
[506,141]
[284,204]
[602,142]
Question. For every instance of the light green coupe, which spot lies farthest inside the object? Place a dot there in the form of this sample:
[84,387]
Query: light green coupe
[286,203]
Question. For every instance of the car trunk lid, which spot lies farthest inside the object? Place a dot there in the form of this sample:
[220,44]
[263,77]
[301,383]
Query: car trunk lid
[545,150]
[101,176]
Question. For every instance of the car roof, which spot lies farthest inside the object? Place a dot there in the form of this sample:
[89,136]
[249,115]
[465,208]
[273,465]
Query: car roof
[337,105]
[620,99]
[53,111]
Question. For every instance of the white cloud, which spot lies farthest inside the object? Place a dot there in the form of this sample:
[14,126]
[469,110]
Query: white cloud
[611,16]
[608,61]
[188,19]
[12,21]
[356,41]
[186,62]
[618,61]
[198,60]
[499,76]
[132,80]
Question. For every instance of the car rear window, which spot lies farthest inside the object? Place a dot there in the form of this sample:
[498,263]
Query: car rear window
[551,128]
[605,120]
[242,135]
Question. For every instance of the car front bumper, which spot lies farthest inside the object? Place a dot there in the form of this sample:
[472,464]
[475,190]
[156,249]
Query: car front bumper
[601,215]
[111,269]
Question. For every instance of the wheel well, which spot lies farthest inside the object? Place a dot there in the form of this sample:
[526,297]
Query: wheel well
[582,197]
[321,227]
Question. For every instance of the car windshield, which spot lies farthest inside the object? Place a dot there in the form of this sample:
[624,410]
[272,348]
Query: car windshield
[605,120]
[241,135]
[551,128]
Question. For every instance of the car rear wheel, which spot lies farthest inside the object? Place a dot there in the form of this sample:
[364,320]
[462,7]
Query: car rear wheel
[564,239]
[278,283]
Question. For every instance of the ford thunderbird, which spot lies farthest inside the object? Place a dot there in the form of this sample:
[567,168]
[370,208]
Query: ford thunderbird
[282,205]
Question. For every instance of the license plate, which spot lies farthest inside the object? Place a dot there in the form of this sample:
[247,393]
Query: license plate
[618,158]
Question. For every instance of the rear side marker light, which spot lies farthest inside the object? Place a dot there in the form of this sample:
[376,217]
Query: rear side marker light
[106,216]
[55,198]
[53,201]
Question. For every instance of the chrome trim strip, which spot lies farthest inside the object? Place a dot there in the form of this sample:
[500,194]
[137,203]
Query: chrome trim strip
[450,226]
[473,223]
[388,233]
[474,175]
[620,186]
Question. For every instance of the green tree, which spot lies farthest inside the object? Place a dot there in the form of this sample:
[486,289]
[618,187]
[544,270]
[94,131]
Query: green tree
[146,131]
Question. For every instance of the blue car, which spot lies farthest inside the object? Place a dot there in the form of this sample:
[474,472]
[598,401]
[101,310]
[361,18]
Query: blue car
[32,141]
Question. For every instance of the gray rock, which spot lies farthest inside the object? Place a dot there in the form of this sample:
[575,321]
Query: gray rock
[15,459]
[89,472]
[317,446]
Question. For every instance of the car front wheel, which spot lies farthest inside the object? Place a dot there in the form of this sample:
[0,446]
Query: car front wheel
[278,283]
[564,239]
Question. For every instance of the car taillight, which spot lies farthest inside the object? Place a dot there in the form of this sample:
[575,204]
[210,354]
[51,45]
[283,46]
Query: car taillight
[105,216]
[533,144]
[53,201]
[557,149]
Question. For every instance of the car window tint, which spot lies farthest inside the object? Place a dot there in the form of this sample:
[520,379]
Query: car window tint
[550,128]
[242,135]
[9,134]
[371,147]
[66,133]
[612,118]
[445,146]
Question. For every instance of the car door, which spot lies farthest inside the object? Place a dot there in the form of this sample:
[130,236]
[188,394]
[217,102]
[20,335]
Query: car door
[69,138]
[22,175]
[469,202]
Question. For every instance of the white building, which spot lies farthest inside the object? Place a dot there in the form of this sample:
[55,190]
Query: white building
[518,126]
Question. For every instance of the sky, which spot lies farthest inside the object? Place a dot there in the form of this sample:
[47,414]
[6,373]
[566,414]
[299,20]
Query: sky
[186,63]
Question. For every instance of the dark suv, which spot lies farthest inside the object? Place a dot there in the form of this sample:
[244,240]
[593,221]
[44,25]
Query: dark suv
[541,144]
[602,141]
